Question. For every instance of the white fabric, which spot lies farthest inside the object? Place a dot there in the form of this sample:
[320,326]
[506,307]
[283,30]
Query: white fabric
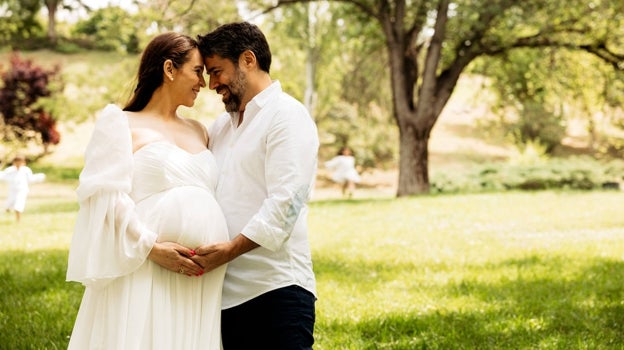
[343,169]
[109,241]
[19,180]
[267,170]
[131,302]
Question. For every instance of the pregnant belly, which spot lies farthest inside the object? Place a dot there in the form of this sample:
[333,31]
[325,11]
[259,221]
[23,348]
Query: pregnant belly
[187,215]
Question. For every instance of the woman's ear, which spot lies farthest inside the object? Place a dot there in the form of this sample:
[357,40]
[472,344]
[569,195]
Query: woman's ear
[168,69]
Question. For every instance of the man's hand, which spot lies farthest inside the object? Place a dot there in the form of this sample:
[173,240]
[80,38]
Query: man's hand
[211,256]
[175,257]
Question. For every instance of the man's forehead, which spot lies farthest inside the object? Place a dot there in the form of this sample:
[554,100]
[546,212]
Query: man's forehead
[216,61]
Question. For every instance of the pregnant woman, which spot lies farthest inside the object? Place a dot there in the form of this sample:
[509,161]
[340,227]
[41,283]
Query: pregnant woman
[146,198]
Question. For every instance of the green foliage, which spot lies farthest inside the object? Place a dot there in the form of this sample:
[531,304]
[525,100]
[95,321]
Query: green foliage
[93,80]
[528,97]
[24,118]
[90,81]
[537,124]
[57,173]
[109,29]
[577,173]
[540,91]
[192,17]
[367,133]
[19,24]
[349,107]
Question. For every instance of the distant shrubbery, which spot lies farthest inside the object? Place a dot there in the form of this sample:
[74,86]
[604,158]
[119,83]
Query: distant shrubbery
[23,117]
[57,173]
[576,173]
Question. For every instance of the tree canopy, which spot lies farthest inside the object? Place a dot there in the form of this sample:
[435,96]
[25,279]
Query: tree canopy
[362,65]
[431,43]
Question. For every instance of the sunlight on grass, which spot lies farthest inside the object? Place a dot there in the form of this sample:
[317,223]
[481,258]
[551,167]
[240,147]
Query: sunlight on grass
[488,271]
[540,270]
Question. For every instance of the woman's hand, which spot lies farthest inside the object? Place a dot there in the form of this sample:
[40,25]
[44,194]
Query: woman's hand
[175,257]
[214,255]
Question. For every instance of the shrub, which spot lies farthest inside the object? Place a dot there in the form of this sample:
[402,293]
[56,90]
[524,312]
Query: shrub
[576,173]
[24,120]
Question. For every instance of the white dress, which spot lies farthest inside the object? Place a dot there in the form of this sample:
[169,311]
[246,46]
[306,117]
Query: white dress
[131,302]
[343,169]
[19,180]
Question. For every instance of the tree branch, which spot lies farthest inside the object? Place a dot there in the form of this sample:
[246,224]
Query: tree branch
[417,25]
[359,4]
[601,51]
[188,9]
[598,49]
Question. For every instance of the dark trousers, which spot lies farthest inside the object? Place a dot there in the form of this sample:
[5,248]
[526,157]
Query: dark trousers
[282,319]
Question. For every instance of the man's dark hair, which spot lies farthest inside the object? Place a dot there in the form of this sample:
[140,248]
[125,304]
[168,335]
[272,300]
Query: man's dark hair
[231,40]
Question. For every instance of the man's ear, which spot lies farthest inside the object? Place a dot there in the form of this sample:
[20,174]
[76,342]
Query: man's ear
[247,59]
[168,69]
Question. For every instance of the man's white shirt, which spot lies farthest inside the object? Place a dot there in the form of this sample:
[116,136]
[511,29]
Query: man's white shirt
[267,170]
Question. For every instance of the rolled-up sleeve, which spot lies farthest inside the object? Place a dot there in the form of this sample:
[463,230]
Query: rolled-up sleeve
[291,160]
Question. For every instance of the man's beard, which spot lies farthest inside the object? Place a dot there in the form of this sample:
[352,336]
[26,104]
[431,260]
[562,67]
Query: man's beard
[236,90]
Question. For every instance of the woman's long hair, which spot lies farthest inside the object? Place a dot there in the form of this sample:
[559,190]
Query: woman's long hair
[166,46]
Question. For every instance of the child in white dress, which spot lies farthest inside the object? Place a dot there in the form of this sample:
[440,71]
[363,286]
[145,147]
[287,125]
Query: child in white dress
[19,177]
[343,171]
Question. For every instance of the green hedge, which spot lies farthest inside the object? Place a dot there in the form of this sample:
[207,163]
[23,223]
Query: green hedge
[576,173]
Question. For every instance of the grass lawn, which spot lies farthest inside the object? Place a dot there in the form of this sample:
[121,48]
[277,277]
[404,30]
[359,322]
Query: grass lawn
[540,270]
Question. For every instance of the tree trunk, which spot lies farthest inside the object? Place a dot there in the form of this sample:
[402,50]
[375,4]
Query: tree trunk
[309,95]
[415,120]
[413,162]
[52,37]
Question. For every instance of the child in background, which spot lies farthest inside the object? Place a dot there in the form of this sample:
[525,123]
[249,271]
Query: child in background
[19,176]
[343,171]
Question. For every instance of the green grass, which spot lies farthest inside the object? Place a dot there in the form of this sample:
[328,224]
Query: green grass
[492,271]
[539,270]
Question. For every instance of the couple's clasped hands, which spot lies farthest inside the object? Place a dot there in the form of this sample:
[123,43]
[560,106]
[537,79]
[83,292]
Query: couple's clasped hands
[187,261]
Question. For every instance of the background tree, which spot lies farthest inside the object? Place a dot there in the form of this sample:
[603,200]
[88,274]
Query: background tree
[529,97]
[349,107]
[192,17]
[110,29]
[23,119]
[430,44]
[21,27]
[19,22]
[52,7]
[541,93]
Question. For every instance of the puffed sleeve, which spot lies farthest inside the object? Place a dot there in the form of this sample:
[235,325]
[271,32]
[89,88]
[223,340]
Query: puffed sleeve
[109,240]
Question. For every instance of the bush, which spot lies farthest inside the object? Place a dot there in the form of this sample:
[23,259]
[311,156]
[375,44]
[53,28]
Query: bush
[577,173]
[108,29]
[23,118]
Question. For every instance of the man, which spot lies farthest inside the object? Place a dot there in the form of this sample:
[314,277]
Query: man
[266,148]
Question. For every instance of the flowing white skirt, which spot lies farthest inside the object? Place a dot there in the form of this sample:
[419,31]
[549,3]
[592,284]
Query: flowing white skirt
[154,308]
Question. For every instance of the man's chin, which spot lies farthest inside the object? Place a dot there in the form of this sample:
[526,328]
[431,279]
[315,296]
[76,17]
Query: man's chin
[230,107]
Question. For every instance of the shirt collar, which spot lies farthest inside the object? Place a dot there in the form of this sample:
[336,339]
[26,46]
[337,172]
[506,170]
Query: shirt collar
[259,101]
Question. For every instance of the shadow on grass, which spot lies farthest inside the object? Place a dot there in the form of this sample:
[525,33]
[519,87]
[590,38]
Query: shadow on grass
[37,306]
[528,310]
[584,310]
